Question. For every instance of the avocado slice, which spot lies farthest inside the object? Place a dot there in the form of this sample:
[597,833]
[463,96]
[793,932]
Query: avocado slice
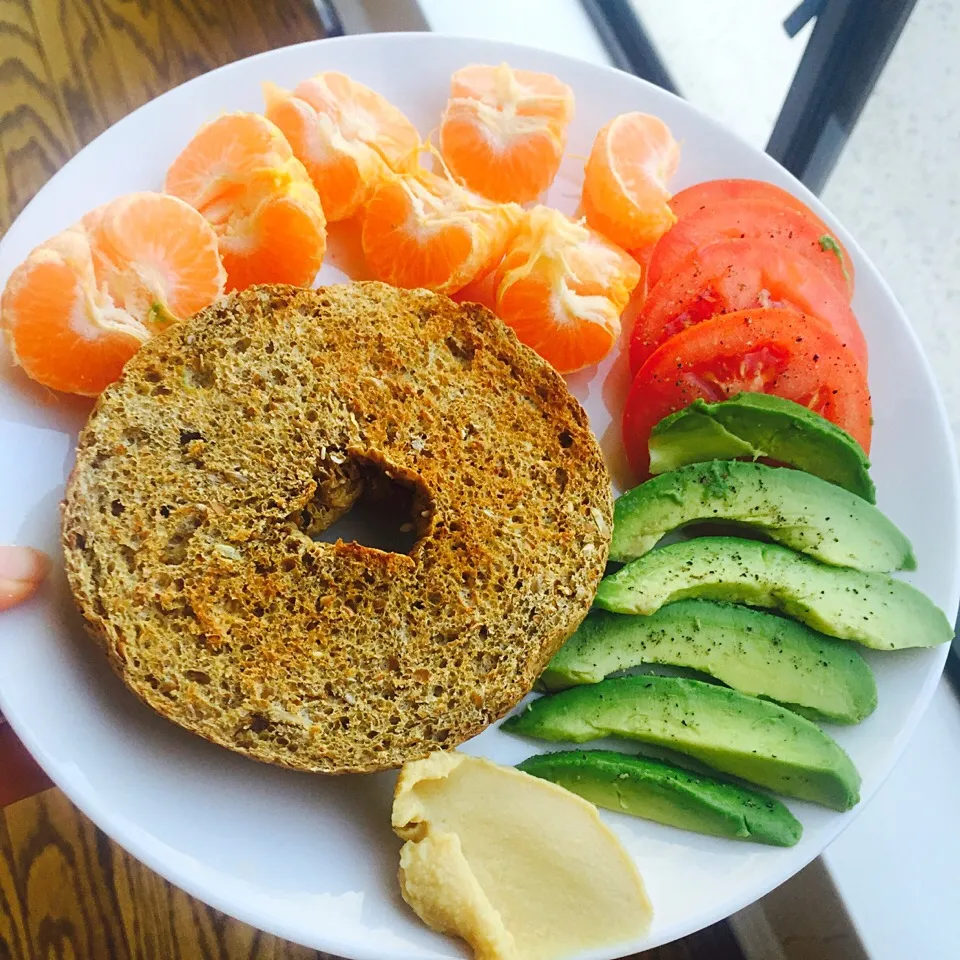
[661,791]
[870,608]
[753,652]
[796,509]
[757,425]
[754,739]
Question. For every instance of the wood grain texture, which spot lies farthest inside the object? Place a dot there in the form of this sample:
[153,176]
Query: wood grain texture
[68,893]
[70,68]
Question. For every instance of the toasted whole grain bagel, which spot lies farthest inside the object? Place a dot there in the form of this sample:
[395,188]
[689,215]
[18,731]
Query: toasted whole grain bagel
[231,441]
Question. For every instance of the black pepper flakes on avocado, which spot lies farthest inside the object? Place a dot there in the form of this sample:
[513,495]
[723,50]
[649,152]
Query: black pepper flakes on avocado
[769,575]
[735,734]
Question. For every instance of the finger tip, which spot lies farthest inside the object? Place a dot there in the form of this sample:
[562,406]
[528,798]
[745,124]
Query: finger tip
[21,570]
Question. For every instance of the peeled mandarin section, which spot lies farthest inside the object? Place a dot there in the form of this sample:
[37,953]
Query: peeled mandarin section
[539,94]
[240,173]
[363,116]
[63,331]
[155,256]
[425,231]
[503,131]
[346,135]
[225,151]
[284,239]
[562,288]
[343,174]
[82,302]
[625,194]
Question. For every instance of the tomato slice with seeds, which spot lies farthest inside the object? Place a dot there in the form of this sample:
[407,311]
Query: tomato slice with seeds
[775,351]
[732,275]
[750,220]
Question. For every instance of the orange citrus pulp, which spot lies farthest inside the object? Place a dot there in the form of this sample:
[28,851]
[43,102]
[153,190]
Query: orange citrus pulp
[422,230]
[345,134]
[625,195]
[241,174]
[562,288]
[503,131]
[84,301]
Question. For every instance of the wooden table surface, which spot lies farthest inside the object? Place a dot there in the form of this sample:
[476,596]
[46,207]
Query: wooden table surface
[69,69]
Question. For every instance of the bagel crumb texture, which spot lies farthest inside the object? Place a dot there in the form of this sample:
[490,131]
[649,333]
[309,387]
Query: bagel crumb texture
[234,439]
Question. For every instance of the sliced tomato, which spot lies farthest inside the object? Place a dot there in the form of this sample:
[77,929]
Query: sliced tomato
[716,191]
[775,351]
[749,220]
[732,275]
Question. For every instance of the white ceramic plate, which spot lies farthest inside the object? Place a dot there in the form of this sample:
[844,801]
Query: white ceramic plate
[312,858]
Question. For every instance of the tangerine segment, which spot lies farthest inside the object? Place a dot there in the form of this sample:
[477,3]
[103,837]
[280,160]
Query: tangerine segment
[345,134]
[505,158]
[62,330]
[562,288]
[251,176]
[503,132]
[363,115]
[625,195]
[534,94]
[283,240]
[225,152]
[421,230]
[155,256]
[343,175]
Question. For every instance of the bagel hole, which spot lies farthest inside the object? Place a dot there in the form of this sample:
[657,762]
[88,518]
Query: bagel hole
[361,501]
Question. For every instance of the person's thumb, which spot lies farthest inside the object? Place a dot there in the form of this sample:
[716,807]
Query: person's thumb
[21,570]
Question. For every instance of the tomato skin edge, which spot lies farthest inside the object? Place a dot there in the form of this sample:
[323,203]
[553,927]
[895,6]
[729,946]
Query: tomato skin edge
[700,289]
[688,200]
[749,219]
[839,378]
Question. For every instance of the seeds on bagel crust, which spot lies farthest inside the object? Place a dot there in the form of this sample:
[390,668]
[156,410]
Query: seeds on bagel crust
[230,442]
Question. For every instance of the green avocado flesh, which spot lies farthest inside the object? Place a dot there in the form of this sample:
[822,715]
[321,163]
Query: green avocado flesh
[794,508]
[754,739]
[756,425]
[660,791]
[869,608]
[754,652]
